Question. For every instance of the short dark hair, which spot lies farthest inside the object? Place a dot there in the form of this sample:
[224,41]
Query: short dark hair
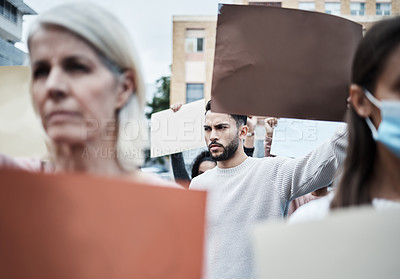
[202,157]
[239,119]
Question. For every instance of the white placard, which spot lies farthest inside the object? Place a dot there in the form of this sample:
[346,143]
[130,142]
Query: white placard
[21,133]
[297,137]
[173,132]
[351,244]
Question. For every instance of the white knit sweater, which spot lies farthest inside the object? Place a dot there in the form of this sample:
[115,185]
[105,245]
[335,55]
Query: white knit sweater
[256,190]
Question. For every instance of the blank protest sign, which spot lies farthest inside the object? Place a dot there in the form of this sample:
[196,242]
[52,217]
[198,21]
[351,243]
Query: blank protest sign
[173,132]
[351,244]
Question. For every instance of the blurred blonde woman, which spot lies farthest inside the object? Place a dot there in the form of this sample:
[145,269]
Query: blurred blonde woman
[88,91]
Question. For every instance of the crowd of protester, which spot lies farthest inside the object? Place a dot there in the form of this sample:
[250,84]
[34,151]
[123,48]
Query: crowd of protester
[84,69]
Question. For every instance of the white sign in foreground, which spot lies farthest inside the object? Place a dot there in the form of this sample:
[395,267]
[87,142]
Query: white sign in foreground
[351,244]
[173,132]
[297,137]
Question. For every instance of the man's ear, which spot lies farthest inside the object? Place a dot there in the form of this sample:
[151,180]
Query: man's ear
[125,89]
[243,130]
[360,102]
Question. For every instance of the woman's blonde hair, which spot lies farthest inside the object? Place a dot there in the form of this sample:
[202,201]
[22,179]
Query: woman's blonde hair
[111,41]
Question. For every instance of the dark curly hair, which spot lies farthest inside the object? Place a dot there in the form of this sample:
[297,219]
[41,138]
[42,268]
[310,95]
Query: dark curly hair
[202,157]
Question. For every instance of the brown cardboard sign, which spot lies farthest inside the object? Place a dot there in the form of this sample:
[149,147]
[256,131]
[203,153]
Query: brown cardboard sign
[282,62]
[78,226]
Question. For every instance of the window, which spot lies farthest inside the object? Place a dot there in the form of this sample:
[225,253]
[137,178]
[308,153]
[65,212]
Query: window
[307,6]
[383,8]
[332,8]
[13,14]
[194,41]
[8,10]
[357,9]
[194,45]
[194,92]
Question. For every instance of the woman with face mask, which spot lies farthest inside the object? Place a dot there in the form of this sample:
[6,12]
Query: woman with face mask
[372,167]
[371,173]
[88,92]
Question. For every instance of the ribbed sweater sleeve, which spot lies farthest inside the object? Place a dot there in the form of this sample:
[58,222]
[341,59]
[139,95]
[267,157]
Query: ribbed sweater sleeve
[303,175]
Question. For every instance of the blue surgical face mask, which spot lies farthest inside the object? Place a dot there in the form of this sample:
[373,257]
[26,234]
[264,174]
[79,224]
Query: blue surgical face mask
[388,132]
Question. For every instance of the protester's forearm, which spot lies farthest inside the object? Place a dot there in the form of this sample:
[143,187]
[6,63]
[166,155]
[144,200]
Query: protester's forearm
[267,146]
[178,167]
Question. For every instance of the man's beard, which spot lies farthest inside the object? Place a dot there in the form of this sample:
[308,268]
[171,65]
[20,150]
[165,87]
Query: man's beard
[228,151]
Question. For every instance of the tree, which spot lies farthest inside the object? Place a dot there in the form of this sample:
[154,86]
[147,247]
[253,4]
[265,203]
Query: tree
[160,102]
[161,98]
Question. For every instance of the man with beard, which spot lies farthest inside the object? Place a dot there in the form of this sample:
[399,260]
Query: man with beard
[245,190]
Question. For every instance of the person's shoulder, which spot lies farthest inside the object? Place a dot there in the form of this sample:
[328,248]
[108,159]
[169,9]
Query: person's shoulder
[207,174]
[276,158]
[271,162]
[199,182]
[267,159]
[314,210]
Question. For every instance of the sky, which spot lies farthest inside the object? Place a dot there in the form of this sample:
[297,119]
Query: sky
[149,24]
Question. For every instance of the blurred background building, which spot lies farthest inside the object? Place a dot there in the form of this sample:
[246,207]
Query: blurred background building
[194,43]
[193,55]
[194,39]
[11,12]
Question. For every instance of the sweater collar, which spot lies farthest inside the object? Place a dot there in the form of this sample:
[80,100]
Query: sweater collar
[229,171]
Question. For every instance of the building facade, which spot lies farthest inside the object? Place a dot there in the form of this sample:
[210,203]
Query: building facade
[11,13]
[193,56]
[194,39]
